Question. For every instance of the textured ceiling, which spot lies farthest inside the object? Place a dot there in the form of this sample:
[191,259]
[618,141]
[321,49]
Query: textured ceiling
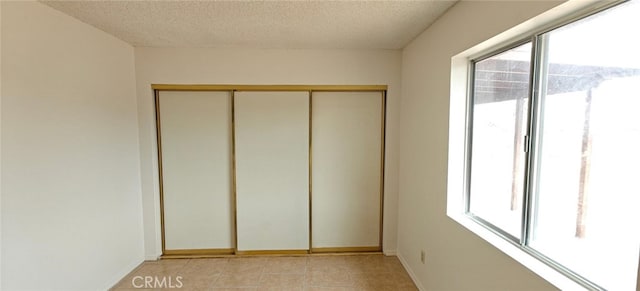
[385,24]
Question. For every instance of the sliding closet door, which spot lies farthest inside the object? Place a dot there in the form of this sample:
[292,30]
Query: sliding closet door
[272,170]
[346,170]
[195,144]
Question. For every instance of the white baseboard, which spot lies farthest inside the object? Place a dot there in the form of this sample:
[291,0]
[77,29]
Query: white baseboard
[151,258]
[120,275]
[410,272]
[389,253]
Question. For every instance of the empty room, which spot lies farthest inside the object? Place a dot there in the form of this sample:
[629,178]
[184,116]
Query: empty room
[319,145]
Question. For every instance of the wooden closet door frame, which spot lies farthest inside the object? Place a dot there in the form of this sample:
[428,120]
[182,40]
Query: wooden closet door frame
[272,147]
[352,249]
[190,252]
[157,88]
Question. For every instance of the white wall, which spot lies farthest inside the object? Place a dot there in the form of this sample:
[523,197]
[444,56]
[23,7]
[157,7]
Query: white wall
[0,148]
[261,66]
[71,204]
[455,258]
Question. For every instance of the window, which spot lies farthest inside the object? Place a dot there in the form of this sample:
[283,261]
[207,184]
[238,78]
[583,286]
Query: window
[552,146]
[500,98]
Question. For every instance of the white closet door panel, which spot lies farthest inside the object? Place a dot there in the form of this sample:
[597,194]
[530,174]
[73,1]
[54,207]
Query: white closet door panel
[346,168]
[196,169]
[272,156]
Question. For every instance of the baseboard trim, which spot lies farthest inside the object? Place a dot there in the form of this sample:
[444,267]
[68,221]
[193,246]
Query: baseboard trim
[410,272]
[390,253]
[118,277]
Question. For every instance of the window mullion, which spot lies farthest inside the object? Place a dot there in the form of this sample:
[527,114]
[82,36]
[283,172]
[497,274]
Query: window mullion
[468,134]
[536,84]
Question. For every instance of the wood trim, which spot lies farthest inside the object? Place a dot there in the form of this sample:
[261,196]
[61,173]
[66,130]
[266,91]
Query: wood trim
[382,164]
[203,87]
[327,254]
[174,257]
[156,95]
[310,171]
[198,252]
[347,250]
[272,252]
[234,193]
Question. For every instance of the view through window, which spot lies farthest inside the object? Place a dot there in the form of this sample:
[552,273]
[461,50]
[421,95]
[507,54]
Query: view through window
[569,196]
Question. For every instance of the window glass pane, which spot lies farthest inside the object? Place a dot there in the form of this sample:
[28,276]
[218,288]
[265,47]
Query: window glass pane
[500,101]
[586,212]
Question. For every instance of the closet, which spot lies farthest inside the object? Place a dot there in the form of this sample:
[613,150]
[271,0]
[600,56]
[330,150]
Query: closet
[285,169]
[272,170]
[194,137]
[347,133]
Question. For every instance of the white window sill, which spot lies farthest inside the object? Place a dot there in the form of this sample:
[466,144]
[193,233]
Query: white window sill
[546,272]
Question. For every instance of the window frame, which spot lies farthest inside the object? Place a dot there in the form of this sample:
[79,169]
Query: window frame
[469,133]
[460,135]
